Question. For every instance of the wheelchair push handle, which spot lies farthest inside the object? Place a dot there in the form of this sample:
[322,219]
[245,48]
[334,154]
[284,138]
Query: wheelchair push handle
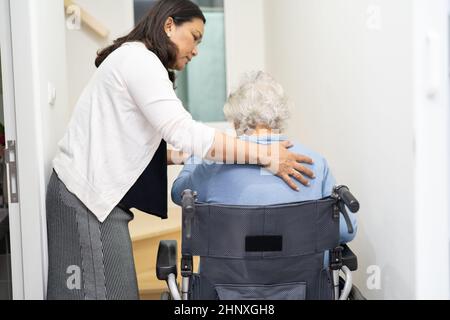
[345,195]
[188,207]
[188,200]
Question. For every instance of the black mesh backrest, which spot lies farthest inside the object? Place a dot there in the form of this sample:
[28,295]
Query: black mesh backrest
[223,231]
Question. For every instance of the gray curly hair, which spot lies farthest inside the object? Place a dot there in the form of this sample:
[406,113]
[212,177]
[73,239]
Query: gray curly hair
[258,101]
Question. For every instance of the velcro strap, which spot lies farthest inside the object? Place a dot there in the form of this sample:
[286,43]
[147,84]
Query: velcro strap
[263,243]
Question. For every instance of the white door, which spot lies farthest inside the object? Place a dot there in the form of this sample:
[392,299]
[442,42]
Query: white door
[431,124]
[11,275]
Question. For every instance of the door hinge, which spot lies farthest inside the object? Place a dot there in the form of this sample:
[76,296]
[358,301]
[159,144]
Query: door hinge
[11,162]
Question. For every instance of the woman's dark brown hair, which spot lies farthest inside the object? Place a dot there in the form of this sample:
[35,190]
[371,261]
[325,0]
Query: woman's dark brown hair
[150,31]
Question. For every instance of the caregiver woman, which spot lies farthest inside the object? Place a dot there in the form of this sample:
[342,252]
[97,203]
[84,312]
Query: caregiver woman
[113,156]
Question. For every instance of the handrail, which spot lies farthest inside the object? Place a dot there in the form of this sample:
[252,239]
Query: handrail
[89,20]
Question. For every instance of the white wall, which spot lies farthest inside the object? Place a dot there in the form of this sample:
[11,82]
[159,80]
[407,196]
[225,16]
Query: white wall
[244,38]
[38,38]
[82,45]
[351,80]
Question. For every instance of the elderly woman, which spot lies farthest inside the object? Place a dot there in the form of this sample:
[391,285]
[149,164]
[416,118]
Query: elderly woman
[259,110]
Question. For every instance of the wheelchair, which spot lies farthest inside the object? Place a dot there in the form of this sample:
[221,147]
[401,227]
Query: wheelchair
[273,252]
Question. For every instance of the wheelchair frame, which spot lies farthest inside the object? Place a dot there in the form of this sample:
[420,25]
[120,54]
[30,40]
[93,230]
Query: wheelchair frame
[341,258]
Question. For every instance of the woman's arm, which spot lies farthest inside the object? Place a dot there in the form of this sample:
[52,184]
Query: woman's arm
[152,91]
[275,157]
[176,157]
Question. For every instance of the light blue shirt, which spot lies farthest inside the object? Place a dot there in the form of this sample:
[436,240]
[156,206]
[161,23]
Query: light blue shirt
[252,185]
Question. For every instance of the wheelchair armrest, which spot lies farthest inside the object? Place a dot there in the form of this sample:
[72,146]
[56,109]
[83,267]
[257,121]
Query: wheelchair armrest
[349,258]
[166,262]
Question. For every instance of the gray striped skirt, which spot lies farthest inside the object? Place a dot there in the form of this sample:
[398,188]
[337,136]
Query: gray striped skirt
[88,260]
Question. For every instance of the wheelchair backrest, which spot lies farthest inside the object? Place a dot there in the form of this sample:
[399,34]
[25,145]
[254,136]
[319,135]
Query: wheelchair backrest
[237,232]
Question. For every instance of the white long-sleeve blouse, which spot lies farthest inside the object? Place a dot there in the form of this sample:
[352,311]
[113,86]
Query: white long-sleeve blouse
[118,122]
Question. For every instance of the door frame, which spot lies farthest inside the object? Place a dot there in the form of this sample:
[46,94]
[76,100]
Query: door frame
[432,140]
[20,36]
[10,135]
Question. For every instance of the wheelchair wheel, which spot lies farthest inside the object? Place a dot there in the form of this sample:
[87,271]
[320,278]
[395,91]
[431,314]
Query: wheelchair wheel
[166,296]
[355,294]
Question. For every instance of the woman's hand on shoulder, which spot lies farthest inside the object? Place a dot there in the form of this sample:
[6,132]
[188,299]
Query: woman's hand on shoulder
[287,165]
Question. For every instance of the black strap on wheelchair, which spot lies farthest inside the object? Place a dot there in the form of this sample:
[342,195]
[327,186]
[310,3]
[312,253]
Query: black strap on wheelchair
[263,243]
[187,266]
[336,258]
